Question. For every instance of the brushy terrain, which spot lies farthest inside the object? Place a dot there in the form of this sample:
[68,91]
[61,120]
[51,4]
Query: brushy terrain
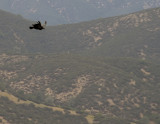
[103,71]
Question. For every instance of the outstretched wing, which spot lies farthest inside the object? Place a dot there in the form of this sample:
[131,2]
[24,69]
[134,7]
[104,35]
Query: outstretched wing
[39,23]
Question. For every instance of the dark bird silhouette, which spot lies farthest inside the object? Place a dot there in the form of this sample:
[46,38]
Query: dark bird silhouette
[38,26]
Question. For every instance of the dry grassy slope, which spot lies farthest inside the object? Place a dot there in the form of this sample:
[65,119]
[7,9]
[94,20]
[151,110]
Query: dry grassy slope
[89,118]
[93,86]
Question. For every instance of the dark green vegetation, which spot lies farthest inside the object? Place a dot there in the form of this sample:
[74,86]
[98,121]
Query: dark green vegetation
[107,68]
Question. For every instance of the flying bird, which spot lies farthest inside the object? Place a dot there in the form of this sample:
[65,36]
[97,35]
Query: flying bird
[38,26]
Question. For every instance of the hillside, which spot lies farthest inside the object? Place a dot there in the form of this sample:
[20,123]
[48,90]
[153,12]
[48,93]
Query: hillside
[71,11]
[126,90]
[96,72]
[134,35]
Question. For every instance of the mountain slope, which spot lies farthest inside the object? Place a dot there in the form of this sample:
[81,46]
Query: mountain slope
[106,88]
[29,112]
[102,71]
[133,35]
[71,11]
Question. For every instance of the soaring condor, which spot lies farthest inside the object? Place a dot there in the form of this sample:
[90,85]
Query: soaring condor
[38,26]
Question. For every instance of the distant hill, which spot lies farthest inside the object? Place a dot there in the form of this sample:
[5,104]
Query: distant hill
[101,71]
[133,35]
[71,11]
